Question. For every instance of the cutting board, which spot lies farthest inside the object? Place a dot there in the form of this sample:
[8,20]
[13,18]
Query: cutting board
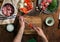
[36,20]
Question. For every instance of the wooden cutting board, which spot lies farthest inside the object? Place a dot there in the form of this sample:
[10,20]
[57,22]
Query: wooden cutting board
[36,20]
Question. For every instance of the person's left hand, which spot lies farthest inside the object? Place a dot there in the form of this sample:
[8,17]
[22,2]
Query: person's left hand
[21,21]
[21,30]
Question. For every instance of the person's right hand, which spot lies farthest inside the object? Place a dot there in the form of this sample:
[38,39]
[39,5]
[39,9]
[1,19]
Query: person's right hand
[39,31]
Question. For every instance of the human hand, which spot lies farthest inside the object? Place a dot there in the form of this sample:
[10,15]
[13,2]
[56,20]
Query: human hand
[21,21]
[39,31]
[18,38]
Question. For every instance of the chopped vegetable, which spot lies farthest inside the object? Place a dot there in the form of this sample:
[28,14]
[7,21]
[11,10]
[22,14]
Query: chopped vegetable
[27,6]
[30,25]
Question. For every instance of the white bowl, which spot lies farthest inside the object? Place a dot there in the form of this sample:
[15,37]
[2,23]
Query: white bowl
[49,21]
[10,28]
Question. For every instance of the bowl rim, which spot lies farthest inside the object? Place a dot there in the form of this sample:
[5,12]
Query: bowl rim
[49,18]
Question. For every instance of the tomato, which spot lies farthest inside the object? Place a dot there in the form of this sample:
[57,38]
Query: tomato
[30,25]
[43,8]
[28,6]
[42,3]
[27,1]
[44,0]
[46,5]
[24,10]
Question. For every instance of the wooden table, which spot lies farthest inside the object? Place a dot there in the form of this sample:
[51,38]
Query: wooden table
[52,33]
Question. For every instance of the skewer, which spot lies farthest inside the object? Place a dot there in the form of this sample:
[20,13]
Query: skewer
[30,24]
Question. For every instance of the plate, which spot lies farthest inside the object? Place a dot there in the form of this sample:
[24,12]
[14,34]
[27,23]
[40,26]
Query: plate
[52,7]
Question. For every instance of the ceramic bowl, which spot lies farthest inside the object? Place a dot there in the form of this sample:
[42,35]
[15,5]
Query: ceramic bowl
[49,21]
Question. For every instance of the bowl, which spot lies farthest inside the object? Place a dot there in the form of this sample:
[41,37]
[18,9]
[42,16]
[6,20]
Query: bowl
[7,9]
[49,21]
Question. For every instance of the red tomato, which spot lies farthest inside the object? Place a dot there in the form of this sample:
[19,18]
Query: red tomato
[24,10]
[43,8]
[44,0]
[46,5]
[29,6]
[42,3]
[27,1]
[30,25]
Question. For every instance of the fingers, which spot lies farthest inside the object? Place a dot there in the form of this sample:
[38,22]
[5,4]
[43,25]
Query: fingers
[35,28]
[21,18]
[39,29]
